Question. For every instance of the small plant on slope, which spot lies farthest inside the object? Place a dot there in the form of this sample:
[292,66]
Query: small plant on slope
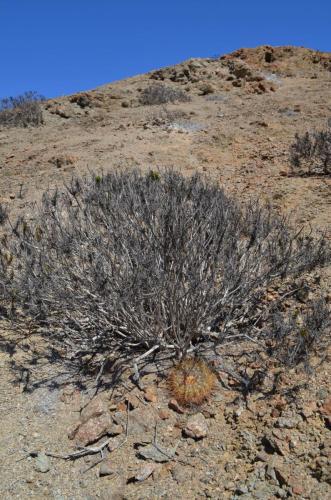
[191,381]
[310,154]
[21,111]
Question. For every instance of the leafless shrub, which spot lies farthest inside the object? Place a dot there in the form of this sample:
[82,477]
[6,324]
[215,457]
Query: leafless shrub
[162,94]
[295,336]
[166,116]
[3,214]
[310,154]
[124,264]
[22,110]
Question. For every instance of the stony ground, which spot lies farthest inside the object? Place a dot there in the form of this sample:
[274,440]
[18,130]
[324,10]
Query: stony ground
[243,114]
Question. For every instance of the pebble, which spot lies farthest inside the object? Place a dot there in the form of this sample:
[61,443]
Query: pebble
[150,394]
[174,405]
[196,427]
[145,471]
[164,414]
[149,452]
[95,408]
[322,393]
[42,463]
[106,468]
[288,423]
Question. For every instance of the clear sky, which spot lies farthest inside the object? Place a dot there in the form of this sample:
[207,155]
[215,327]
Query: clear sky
[59,47]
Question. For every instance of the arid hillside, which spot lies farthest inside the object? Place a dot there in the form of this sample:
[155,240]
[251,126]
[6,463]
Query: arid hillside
[244,112]
[232,118]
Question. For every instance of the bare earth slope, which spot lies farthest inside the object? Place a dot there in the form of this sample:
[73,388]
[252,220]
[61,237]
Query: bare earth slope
[244,111]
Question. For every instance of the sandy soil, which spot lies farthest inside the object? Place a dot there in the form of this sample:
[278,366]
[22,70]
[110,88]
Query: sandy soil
[237,128]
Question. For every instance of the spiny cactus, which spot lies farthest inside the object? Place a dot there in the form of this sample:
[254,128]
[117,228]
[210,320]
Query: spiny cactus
[191,381]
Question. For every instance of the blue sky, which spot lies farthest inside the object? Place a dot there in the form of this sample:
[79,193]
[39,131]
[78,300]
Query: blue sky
[62,46]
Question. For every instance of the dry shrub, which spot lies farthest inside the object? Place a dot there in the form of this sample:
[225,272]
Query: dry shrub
[162,94]
[293,336]
[310,154]
[126,263]
[21,111]
[3,214]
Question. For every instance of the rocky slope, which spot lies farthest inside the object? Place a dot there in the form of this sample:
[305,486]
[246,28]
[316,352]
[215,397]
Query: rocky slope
[244,111]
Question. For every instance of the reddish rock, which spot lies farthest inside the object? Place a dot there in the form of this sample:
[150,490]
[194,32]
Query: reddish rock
[121,406]
[164,414]
[132,401]
[92,430]
[97,407]
[293,480]
[174,405]
[150,394]
[298,490]
[308,409]
[326,410]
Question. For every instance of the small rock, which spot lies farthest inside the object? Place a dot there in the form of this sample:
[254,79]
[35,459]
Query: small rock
[42,463]
[181,474]
[164,414]
[241,489]
[196,427]
[114,444]
[60,111]
[173,405]
[150,394]
[276,444]
[322,393]
[270,473]
[106,468]
[150,452]
[132,401]
[262,456]
[142,421]
[92,430]
[326,410]
[95,408]
[145,471]
[308,409]
[12,196]
[288,423]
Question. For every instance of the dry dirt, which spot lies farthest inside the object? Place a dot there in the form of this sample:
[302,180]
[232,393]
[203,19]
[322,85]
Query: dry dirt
[244,111]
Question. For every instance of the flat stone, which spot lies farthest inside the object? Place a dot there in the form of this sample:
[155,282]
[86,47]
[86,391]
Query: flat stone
[196,427]
[97,407]
[106,468]
[145,471]
[288,423]
[142,421]
[92,430]
[150,452]
[181,474]
[150,394]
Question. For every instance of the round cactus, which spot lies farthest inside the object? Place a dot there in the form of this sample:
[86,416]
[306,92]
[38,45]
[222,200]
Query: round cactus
[191,381]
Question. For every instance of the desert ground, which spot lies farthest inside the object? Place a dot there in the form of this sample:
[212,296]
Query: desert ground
[244,111]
